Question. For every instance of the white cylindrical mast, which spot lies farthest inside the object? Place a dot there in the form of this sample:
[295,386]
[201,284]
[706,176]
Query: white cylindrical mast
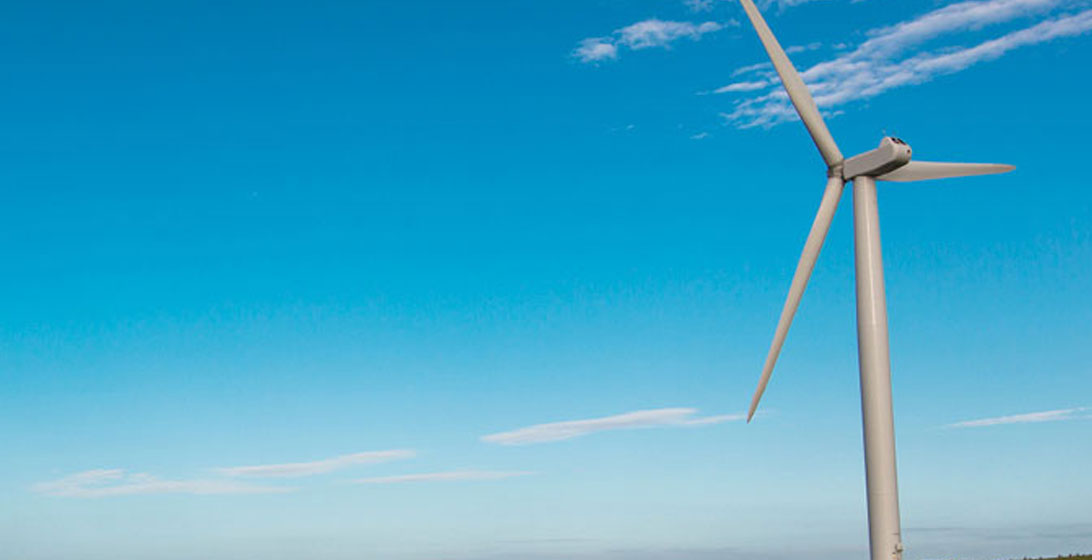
[875,364]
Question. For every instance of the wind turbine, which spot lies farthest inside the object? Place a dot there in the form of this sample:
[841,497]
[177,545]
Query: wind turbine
[890,162]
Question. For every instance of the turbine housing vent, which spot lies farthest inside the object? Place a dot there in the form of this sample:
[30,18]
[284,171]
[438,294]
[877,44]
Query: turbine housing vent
[892,154]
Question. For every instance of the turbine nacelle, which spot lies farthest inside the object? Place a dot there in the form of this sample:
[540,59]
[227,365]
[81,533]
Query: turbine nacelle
[892,154]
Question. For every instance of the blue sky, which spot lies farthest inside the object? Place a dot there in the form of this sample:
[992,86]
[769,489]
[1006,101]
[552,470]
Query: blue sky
[495,280]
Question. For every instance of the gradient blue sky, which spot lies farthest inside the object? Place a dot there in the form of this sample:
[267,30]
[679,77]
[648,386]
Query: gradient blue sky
[341,244]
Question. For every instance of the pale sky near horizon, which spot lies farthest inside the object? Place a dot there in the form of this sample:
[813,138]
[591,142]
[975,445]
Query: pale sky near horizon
[495,280]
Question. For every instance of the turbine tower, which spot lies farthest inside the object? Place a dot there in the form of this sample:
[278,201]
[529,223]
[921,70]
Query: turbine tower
[889,162]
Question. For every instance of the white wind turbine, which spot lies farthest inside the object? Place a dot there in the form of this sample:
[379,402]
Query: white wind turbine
[890,162]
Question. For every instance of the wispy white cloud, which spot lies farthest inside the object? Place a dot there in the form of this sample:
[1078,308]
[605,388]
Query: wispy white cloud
[717,419]
[658,33]
[1031,417]
[754,68]
[699,136]
[699,5]
[743,86]
[960,16]
[878,64]
[783,3]
[803,48]
[450,476]
[557,431]
[287,470]
[115,482]
[594,49]
[647,34]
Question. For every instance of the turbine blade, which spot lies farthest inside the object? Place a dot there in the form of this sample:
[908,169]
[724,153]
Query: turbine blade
[924,170]
[798,92]
[812,246]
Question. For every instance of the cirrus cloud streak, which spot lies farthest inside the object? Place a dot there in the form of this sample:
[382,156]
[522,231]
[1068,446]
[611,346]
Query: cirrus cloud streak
[288,470]
[647,34]
[100,483]
[558,431]
[877,65]
[1028,418]
[449,476]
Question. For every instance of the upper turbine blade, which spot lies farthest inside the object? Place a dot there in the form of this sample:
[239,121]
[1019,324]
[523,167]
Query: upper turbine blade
[923,170]
[798,92]
[812,246]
